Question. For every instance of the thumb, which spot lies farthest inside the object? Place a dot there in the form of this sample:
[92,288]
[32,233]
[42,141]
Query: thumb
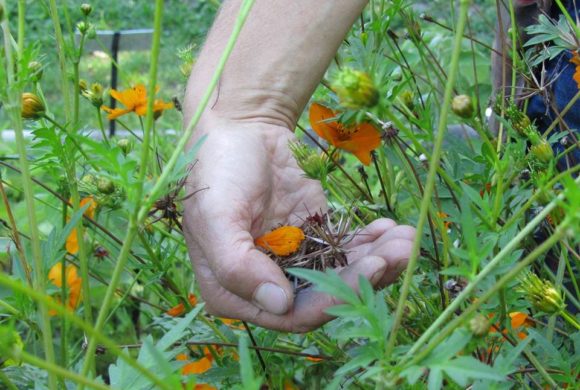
[247,272]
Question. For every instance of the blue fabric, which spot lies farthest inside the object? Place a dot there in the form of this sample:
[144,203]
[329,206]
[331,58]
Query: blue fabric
[562,88]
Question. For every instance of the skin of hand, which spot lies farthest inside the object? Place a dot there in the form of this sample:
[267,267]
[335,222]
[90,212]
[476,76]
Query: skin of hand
[253,184]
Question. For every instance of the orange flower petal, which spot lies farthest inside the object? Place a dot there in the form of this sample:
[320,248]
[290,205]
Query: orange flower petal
[114,113]
[518,319]
[313,359]
[132,97]
[73,283]
[179,309]
[197,367]
[319,116]
[160,105]
[360,140]
[176,310]
[192,299]
[90,211]
[282,241]
[72,242]
[204,386]
[182,357]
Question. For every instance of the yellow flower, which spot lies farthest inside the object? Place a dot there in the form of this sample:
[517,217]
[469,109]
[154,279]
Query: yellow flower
[282,241]
[360,140]
[73,284]
[135,100]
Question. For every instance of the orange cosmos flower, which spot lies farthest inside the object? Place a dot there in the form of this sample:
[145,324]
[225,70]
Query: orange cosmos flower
[72,241]
[576,61]
[282,241]
[518,320]
[360,140]
[73,284]
[135,100]
[179,309]
[199,366]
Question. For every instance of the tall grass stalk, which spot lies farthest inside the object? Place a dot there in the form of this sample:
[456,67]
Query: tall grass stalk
[14,107]
[433,165]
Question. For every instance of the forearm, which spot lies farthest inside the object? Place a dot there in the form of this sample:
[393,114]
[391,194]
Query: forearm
[281,55]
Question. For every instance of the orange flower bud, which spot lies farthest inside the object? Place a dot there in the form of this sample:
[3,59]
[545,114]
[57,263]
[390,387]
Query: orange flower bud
[32,106]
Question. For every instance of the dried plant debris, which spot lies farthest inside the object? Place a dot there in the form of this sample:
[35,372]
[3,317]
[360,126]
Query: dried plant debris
[325,238]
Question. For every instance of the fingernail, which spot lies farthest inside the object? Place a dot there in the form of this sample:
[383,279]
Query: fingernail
[271,298]
[377,276]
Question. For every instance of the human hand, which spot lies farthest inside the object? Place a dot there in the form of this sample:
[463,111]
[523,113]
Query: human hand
[253,185]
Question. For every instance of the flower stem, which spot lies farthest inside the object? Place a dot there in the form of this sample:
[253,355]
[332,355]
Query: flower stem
[570,319]
[60,49]
[13,106]
[433,164]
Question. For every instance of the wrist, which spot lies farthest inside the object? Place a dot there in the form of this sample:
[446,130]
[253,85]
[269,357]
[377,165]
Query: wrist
[239,106]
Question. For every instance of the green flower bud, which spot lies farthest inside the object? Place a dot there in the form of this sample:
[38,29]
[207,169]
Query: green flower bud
[462,106]
[86,9]
[125,145]
[94,94]
[408,99]
[32,106]
[83,85]
[479,325]
[315,165]
[520,122]
[543,151]
[364,37]
[541,293]
[105,185]
[355,89]
[11,345]
[35,69]
[83,27]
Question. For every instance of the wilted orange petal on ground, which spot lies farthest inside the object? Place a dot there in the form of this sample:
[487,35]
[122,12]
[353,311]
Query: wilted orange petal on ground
[282,241]
[197,367]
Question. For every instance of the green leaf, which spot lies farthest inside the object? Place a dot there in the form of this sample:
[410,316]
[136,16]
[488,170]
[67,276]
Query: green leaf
[249,379]
[435,379]
[466,367]
[328,282]
[176,332]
